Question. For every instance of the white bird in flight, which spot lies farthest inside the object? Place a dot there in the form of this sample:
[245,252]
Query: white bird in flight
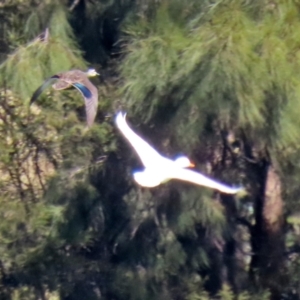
[159,169]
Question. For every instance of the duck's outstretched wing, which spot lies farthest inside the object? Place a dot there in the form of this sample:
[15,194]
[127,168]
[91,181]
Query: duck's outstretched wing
[198,178]
[46,83]
[61,85]
[90,95]
[148,155]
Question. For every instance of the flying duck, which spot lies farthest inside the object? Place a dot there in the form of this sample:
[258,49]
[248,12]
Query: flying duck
[80,81]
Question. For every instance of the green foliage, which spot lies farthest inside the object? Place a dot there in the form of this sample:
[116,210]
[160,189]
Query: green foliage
[226,64]
[227,294]
[212,80]
[151,49]
[42,58]
[230,69]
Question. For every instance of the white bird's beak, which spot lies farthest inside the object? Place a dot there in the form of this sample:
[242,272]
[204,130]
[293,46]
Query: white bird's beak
[191,165]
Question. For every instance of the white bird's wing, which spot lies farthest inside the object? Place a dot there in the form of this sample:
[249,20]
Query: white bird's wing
[197,178]
[148,155]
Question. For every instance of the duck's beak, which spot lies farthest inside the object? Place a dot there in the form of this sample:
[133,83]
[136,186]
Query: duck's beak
[191,165]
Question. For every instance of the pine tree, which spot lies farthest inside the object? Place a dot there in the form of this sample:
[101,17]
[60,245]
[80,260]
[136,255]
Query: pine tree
[46,157]
[215,81]
[221,83]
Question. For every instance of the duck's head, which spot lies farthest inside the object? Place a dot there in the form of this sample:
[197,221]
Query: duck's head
[92,72]
[184,162]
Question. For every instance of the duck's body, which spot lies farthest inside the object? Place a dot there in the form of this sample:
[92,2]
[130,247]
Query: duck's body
[80,81]
[159,169]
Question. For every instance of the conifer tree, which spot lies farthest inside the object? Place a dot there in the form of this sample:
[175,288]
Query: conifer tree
[215,81]
[220,82]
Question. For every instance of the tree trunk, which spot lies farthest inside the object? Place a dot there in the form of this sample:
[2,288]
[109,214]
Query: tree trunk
[267,264]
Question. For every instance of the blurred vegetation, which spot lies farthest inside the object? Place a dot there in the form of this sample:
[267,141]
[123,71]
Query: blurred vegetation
[216,80]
